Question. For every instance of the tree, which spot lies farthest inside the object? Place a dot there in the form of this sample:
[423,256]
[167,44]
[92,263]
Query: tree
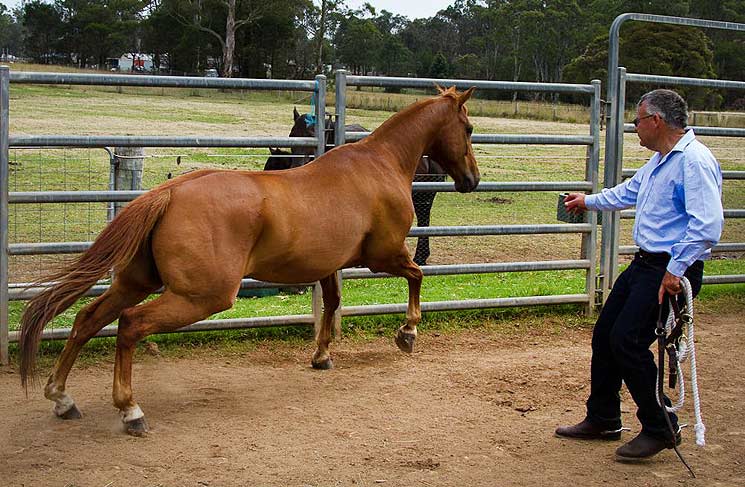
[220,19]
[10,33]
[440,67]
[43,25]
[357,43]
[661,49]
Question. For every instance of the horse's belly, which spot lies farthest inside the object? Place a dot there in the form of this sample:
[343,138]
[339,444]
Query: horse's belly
[301,262]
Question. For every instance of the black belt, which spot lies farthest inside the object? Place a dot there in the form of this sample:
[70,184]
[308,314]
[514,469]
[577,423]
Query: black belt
[656,256]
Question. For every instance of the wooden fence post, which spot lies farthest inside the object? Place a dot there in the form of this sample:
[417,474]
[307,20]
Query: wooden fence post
[129,164]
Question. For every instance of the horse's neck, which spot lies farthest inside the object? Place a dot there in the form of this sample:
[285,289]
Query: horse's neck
[410,132]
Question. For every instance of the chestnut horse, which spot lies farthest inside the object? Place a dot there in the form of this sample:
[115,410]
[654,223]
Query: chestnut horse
[197,235]
[427,170]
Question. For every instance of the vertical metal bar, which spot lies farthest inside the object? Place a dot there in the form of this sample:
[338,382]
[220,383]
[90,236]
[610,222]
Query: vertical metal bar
[320,94]
[4,210]
[341,107]
[320,114]
[112,182]
[606,258]
[591,175]
[339,139]
[617,168]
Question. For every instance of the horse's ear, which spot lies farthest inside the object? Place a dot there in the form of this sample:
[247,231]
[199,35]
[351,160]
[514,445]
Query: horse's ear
[465,95]
[440,89]
[295,114]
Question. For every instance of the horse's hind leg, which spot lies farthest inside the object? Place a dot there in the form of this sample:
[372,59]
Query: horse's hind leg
[331,300]
[168,312]
[89,321]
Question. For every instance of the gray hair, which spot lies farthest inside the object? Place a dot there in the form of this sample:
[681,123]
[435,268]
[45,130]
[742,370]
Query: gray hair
[669,105]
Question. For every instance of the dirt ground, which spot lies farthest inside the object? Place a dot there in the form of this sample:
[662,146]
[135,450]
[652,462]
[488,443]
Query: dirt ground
[470,408]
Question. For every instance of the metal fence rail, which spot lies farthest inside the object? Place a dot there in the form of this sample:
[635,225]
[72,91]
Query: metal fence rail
[317,86]
[616,100]
[588,230]
[592,141]
[611,226]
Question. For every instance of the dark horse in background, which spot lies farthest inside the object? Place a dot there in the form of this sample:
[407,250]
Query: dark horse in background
[196,236]
[426,171]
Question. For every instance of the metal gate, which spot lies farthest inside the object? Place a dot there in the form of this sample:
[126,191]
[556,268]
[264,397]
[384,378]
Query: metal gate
[616,127]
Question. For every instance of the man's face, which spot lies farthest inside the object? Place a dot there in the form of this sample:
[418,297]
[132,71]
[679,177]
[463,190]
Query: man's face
[646,126]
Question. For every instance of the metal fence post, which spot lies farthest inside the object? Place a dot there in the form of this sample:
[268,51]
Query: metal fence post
[589,240]
[320,114]
[340,107]
[340,110]
[613,174]
[4,210]
[317,298]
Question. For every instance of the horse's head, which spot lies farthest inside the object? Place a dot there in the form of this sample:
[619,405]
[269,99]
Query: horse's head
[452,146]
[304,126]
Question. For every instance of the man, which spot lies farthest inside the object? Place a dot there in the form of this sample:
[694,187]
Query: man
[679,217]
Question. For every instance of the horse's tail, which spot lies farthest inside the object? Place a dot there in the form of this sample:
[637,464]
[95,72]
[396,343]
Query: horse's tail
[114,248]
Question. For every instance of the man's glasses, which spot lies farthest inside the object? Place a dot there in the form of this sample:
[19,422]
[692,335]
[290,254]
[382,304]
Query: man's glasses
[639,119]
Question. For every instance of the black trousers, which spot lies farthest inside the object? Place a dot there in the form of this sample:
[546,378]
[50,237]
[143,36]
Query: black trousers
[621,339]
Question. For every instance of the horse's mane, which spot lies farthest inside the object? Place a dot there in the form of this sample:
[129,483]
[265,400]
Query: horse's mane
[429,102]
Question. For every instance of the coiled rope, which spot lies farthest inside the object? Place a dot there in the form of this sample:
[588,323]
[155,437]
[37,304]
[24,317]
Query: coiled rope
[685,349]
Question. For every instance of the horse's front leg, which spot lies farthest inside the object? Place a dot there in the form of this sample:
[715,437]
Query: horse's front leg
[406,335]
[331,300]
[402,265]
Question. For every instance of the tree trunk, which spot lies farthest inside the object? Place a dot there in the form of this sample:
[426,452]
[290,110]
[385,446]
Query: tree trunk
[321,35]
[229,49]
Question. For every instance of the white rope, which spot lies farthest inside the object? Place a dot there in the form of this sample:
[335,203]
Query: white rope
[686,349]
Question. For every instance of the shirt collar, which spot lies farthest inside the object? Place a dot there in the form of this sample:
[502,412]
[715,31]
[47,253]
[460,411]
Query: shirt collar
[688,137]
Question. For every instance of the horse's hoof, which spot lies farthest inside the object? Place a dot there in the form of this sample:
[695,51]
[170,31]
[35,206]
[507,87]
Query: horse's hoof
[137,427]
[323,364]
[72,413]
[405,341]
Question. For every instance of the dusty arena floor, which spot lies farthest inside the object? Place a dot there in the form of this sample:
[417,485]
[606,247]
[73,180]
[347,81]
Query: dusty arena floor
[472,408]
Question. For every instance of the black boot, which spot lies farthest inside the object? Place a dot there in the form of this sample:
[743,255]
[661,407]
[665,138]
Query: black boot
[645,446]
[587,430]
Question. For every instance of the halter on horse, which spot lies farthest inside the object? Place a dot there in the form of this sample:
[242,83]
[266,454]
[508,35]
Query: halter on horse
[198,235]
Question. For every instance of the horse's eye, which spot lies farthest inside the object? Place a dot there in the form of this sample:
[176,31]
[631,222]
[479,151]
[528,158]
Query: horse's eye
[469,129]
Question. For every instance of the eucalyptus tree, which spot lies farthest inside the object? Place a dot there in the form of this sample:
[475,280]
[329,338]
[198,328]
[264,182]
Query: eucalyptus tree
[219,19]
[357,42]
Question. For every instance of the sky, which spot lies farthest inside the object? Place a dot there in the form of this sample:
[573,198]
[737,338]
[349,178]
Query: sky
[413,9]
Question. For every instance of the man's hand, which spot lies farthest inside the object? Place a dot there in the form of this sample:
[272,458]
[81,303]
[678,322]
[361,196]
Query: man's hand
[670,285]
[575,203]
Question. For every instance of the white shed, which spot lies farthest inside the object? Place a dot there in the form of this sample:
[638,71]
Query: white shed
[135,61]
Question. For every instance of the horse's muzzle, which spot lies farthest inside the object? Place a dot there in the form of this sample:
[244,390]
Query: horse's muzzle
[468,183]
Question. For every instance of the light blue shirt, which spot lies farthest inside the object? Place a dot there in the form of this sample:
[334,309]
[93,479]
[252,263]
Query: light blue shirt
[678,201]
